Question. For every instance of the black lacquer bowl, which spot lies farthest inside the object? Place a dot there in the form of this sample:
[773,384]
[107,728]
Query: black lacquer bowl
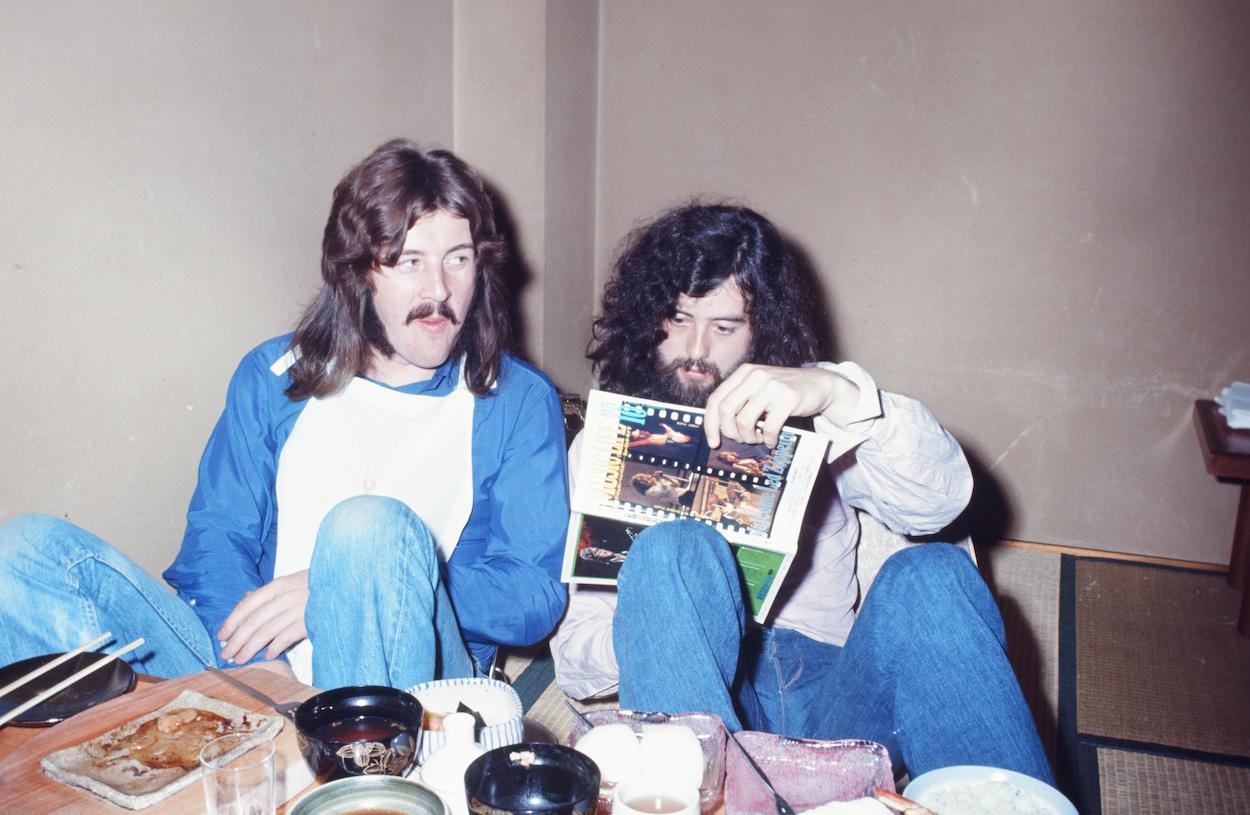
[532,778]
[360,730]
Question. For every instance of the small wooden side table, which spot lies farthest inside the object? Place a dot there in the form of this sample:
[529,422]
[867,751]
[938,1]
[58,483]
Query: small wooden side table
[1227,455]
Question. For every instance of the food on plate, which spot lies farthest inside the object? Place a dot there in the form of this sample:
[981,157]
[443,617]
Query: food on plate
[660,749]
[672,749]
[494,706]
[615,748]
[152,757]
[991,797]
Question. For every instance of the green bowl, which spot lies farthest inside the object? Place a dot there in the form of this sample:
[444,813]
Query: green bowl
[370,792]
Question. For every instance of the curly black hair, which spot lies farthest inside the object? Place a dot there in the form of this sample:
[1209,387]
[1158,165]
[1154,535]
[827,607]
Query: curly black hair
[691,250]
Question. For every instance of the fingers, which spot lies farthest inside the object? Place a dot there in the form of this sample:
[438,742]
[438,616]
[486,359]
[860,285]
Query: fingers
[755,401]
[270,618]
[242,611]
[290,631]
[253,633]
[715,410]
[751,406]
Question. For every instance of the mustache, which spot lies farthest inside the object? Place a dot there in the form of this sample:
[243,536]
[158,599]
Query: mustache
[668,388]
[701,366]
[430,309]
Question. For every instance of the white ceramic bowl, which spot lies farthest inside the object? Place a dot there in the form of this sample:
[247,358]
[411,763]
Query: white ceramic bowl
[496,702]
[928,788]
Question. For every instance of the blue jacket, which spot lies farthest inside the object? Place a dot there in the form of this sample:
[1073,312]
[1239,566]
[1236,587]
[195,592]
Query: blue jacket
[503,577]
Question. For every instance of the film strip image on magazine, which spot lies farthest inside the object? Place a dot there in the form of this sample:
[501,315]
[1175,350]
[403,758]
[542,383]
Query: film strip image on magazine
[642,462]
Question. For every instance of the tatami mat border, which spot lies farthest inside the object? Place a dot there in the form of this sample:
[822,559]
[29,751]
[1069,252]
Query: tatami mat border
[1078,774]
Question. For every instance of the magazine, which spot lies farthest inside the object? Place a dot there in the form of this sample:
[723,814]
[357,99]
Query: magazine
[643,462]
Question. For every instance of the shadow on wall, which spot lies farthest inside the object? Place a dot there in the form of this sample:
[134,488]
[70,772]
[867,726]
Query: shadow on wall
[822,317]
[989,515]
[516,274]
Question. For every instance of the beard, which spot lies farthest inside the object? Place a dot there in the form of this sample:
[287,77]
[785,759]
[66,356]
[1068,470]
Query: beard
[670,388]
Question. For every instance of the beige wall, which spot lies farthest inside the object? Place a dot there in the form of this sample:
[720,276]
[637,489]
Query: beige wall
[525,108]
[166,172]
[1032,216]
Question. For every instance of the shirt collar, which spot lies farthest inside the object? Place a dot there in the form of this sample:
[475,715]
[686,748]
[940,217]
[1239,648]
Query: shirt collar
[443,382]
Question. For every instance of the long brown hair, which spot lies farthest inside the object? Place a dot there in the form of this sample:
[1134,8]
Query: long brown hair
[374,206]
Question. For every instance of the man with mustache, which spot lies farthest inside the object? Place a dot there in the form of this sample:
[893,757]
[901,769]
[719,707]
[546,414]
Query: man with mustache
[383,499]
[707,307]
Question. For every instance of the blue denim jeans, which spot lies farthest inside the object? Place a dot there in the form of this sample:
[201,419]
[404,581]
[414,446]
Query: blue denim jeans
[378,612]
[924,672]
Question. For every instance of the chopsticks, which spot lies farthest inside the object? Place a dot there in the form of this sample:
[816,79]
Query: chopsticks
[897,803]
[63,658]
[65,683]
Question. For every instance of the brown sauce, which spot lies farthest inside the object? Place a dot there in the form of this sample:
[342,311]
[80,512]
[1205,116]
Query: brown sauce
[173,739]
[359,728]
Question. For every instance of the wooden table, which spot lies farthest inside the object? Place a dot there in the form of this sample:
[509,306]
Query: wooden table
[1227,456]
[24,788]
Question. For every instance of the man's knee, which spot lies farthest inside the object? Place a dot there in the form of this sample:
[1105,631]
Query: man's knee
[673,546]
[44,536]
[369,528]
[919,567]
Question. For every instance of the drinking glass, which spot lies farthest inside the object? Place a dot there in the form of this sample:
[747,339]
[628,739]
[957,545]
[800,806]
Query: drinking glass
[655,795]
[239,775]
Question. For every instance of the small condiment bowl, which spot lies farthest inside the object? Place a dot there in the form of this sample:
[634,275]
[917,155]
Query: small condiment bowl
[496,702]
[369,793]
[532,778]
[359,730]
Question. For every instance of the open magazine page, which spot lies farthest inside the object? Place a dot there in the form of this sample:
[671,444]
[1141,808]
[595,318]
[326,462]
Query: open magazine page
[643,462]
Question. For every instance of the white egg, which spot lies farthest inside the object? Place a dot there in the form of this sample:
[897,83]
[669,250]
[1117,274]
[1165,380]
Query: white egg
[673,749]
[614,748]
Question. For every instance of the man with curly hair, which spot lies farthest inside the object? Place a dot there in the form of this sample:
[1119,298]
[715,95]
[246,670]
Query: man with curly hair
[708,307]
[382,500]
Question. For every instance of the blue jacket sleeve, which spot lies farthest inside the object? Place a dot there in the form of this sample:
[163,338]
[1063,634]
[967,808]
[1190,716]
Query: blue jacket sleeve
[504,574]
[227,549]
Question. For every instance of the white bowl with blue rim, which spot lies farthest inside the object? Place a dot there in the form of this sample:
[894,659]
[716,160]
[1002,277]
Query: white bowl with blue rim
[964,787]
[496,702]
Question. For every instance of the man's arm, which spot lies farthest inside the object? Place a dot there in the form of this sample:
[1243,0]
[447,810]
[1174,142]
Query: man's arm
[222,556]
[907,471]
[504,574]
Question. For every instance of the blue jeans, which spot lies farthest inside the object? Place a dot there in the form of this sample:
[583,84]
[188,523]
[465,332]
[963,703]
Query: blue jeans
[378,612]
[924,672]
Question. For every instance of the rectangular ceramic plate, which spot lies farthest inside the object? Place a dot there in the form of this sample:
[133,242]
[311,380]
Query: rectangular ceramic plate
[138,764]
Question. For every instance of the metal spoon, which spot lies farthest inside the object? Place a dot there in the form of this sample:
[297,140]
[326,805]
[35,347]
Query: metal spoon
[783,807]
[581,717]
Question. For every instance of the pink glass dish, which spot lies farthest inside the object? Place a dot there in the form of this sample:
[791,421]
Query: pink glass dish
[806,772]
